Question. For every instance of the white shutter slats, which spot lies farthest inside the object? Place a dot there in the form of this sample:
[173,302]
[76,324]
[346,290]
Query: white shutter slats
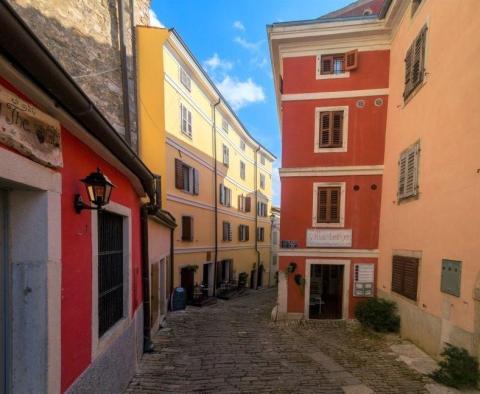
[408,172]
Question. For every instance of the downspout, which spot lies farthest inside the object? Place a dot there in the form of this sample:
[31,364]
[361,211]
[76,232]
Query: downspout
[215,191]
[256,217]
[147,340]
[123,60]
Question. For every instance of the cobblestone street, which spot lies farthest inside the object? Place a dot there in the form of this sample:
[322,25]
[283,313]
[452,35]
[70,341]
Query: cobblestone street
[233,346]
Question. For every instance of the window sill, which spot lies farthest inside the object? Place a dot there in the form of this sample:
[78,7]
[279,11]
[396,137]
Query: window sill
[404,298]
[107,339]
[345,74]
[330,150]
[328,225]
[408,199]
[414,91]
[186,135]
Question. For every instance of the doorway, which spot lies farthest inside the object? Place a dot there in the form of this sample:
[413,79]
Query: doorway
[187,277]
[326,291]
[260,276]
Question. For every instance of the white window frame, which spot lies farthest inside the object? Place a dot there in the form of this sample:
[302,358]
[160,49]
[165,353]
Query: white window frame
[100,345]
[318,111]
[243,170]
[225,125]
[342,186]
[226,155]
[188,131]
[319,75]
[185,79]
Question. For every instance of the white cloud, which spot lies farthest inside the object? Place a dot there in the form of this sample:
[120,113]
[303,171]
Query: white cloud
[215,62]
[239,25]
[241,93]
[154,21]
[251,46]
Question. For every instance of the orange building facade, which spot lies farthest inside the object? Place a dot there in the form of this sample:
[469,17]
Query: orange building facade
[383,70]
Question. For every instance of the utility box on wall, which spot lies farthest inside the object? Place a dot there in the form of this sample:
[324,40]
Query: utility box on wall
[451,276]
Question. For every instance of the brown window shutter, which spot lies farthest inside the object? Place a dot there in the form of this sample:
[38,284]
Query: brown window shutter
[247,233]
[408,71]
[222,195]
[248,204]
[405,276]
[322,205]
[327,65]
[187,228]
[230,235]
[351,60]
[337,129]
[334,205]
[240,233]
[179,181]
[325,129]
[419,58]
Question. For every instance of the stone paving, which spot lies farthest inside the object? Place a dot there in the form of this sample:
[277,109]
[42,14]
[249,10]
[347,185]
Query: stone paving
[233,346]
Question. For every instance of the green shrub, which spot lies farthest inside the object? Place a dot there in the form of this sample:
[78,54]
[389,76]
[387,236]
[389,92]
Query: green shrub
[457,369]
[378,314]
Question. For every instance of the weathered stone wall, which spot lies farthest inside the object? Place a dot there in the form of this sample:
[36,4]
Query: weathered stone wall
[84,36]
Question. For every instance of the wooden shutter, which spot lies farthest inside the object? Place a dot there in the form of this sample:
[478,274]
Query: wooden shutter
[247,233]
[229,197]
[230,235]
[187,228]
[351,60]
[240,233]
[179,180]
[248,204]
[415,63]
[189,123]
[225,231]
[408,172]
[337,129]
[196,181]
[325,129]
[328,204]
[408,72]
[222,194]
[327,65]
[405,276]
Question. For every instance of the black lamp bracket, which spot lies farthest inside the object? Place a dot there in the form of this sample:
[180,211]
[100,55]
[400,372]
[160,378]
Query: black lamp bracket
[80,205]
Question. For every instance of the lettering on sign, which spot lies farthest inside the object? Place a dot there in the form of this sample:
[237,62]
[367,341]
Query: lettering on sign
[329,238]
[29,130]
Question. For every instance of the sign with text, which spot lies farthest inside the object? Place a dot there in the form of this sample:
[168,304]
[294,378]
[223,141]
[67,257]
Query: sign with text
[29,130]
[329,238]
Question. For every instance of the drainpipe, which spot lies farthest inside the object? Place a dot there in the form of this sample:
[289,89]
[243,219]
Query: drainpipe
[256,217]
[215,253]
[147,340]
[124,67]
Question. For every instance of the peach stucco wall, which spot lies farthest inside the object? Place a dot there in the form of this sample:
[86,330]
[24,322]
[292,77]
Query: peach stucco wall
[444,222]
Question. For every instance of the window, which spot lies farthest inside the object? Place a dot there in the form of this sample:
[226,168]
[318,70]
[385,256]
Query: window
[262,181]
[243,232]
[110,270]
[328,204]
[363,280]
[415,5]
[330,129]
[225,196]
[225,125]
[275,237]
[244,203]
[242,170]
[227,231]
[405,276]
[262,159]
[415,63]
[242,145]
[186,177]
[226,155]
[262,209]
[186,121]
[187,228]
[185,79]
[260,234]
[338,63]
[408,172]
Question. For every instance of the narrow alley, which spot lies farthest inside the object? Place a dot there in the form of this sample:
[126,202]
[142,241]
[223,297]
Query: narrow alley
[234,346]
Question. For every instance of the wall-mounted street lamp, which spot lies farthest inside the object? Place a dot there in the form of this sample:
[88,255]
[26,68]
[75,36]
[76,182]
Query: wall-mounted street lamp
[99,189]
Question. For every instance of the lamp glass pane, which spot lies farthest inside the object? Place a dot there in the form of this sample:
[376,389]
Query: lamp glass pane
[91,195]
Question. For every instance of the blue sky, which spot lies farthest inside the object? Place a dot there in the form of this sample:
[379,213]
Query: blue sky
[229,39]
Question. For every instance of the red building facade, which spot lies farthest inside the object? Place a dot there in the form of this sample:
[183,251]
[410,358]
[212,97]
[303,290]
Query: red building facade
[332,101]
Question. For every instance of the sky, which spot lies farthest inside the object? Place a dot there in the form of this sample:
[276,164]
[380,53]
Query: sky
[228,37]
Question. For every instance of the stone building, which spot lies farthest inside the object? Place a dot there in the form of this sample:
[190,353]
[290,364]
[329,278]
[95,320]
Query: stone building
[88,38]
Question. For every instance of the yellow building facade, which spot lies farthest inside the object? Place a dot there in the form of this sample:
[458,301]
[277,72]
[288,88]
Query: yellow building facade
[217,178]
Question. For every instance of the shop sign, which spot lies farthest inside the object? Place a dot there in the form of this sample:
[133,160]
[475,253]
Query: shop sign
[29,131]
[329,238]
